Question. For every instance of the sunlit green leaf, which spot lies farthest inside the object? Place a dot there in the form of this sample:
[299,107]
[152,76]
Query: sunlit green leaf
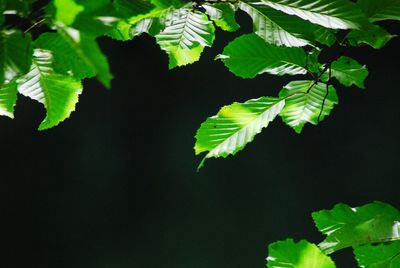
[67,10]
[379,256]
[186,34]
[58,93]
[306,102]
[249,55]
[288,254]
[278,28]
[338,14]
[349,227]
[235,125]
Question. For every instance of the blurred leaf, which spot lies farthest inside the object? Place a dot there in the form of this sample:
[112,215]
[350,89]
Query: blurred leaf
[235,125]
[186,34]
[288,254]
[58,93]
[67,10]
[349,227]
[379,256]
[77,54]
[249,55]
[378,10]
[306,102]
[15,54]
[375,36]
[8,98]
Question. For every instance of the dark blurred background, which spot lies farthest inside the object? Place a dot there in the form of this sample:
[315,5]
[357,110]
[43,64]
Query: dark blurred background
[115,186]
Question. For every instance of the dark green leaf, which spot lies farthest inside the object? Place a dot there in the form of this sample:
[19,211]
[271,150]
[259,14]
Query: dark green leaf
[223,14]
[375,36]
[349,227]
[378,10]
[349,72]
[288,254]
[249,55]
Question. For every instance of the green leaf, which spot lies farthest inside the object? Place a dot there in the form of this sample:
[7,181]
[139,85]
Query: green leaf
[288,254]
[129,8]
[58,93]
[8,98]
[223,14]
[20,7]
[77,54]
[186,34]
[378,256]
[349,227]
[306,102]
[338,14]
[249,55]
[67,10]
[235,125]
[15,54]
[381,10]
[375,36]
[349,72]
[279,29]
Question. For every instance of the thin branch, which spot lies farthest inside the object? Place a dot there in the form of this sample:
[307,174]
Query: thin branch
[327,93]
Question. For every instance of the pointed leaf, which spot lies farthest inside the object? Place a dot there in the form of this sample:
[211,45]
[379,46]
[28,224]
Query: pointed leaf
[235,125]
[76,53]
[58,93]
[186,34]
[381,10]
[15,54]
[379,256]
[288,254]
[249,55]
[338,14]
[8,98]
[306,102]
[279,29]
[349,227]
[349,72]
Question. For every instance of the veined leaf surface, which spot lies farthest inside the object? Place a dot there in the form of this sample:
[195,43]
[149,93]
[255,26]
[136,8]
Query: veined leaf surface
[249,55]
[186,34]
[378,256]
[236,125]
[337,14]
[58,93]
[306,102]
[377,10]
[278,28]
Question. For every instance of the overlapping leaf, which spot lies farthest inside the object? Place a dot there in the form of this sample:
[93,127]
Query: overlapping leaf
[379,256]
[278,28]
[77,54]
[186,34]
[374,35]
[8,98]
[223,14]
[236,125]
[338,14]
[249,55]
[288,254]
[349,227]
[306,102]
[67,10]
[58,93]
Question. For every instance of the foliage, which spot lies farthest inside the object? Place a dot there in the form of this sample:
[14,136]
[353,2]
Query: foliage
[289,37]
[371,230]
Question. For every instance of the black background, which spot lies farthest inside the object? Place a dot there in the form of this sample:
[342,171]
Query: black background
[116,184]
